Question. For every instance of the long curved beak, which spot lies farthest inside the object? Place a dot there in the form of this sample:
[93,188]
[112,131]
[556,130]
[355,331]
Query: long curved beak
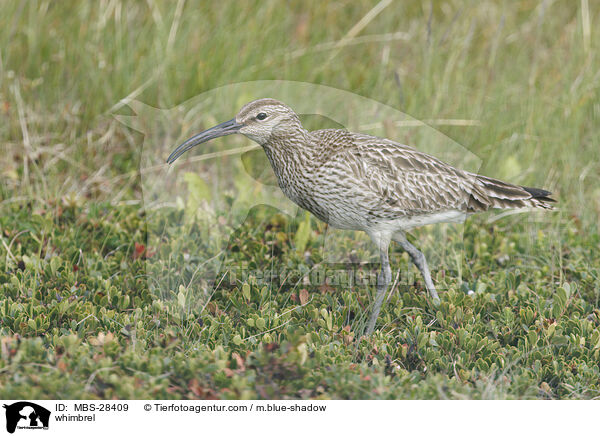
[223,129]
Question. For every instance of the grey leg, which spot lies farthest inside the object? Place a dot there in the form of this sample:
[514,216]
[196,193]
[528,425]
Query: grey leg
[419,260]
[383,278]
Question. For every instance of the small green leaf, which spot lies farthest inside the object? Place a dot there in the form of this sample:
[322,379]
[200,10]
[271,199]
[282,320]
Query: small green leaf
[181,297]
[246,291]
[54,264]
[302,235]
[532,337]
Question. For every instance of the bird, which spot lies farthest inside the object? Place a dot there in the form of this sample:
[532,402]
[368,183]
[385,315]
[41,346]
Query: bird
[360,182]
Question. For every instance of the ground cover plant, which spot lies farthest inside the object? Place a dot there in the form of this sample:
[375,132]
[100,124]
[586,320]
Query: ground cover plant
[79,317]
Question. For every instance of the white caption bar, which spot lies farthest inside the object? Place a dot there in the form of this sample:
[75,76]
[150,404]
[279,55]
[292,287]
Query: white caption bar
[23,417]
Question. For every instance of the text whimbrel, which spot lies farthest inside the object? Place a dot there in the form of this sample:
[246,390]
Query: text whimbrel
[361,182]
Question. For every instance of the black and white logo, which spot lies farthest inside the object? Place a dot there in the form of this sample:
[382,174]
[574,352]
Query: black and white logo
[26,415]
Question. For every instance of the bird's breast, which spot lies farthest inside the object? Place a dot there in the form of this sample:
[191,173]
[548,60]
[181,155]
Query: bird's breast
[317,189]
[325,201]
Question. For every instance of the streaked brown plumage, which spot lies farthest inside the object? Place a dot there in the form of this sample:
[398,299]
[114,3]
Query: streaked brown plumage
[361,182]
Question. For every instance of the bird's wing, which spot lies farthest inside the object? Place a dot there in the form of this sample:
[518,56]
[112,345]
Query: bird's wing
[393,180]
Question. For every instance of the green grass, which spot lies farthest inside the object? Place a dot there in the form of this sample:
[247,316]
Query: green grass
[81,314]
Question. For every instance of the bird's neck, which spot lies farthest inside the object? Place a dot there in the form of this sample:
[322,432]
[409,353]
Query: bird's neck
[290,155]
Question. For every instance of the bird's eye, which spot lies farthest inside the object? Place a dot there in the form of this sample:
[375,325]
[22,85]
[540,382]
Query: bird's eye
[261,116]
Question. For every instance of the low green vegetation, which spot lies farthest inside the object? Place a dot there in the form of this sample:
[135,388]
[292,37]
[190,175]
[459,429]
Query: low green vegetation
[82,321]
[96,298]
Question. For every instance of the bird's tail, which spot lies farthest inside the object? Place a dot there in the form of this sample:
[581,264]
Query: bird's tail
[488,193]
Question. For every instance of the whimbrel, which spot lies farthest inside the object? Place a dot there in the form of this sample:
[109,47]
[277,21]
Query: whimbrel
[362,182]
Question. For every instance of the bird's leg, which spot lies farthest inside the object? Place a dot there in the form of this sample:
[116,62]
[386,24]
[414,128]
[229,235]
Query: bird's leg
[419,260]
[383,278]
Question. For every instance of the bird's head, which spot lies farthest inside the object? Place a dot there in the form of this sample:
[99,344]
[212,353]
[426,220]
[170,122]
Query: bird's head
[260,120]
